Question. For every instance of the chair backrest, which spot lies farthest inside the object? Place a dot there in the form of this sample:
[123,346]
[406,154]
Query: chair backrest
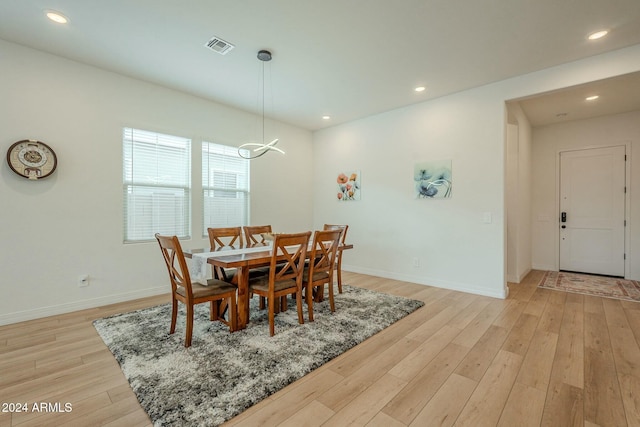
[176,264]
[289,255]
[225,236]
[343,228]
[253,233]
[323,252]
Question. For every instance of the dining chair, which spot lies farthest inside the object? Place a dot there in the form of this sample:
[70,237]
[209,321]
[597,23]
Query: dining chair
[322,262]
[224,237]
[254,234]
[285,273]
[190,294]
[338,265]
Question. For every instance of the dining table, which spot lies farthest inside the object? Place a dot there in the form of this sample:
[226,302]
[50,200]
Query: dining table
[243,259]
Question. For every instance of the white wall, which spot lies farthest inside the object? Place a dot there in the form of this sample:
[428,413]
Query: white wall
[518,194]
[511,191]
[548,141]
[388,227]
[525,141]
[71,223]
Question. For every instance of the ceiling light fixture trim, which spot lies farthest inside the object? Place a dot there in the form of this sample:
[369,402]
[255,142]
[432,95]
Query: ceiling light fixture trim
[598,35]
[56,17]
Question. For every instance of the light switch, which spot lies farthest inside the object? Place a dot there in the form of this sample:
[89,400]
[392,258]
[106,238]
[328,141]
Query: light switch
[486,218]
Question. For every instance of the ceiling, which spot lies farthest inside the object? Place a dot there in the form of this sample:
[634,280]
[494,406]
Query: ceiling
[345,59]
[616,95]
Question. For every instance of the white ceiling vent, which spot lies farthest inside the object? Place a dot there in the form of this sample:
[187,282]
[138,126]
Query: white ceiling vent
[216,44]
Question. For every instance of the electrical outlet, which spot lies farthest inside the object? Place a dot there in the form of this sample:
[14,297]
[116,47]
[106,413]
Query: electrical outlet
[416,263]
[83,280]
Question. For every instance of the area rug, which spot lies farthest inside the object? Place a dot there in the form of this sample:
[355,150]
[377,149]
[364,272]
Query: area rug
[222,374]
[601,286]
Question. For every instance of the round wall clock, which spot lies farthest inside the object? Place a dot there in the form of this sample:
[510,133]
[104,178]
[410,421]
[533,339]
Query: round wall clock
[31,159]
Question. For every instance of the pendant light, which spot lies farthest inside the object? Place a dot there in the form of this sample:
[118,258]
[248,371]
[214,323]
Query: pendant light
[261,149]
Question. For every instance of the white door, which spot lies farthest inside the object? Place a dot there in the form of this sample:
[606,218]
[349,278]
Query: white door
[592,198]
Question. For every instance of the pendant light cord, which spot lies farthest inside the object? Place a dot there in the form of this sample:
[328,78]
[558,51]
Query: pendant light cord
[263,101]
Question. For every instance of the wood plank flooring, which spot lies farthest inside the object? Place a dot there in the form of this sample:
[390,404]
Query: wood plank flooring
[538,358]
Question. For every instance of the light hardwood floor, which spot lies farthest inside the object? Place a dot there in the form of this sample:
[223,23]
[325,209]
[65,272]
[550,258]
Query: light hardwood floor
[538,358]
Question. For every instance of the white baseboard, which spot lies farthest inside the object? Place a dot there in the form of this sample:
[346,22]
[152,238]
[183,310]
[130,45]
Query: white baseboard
[462,287]
[524,274]
[518,278]
[38,313]
[544,267]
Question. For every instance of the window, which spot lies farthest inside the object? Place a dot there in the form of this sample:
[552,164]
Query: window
[156,185]
[225,187]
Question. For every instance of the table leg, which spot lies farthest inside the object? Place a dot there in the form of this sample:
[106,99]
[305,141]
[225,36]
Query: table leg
[243,297]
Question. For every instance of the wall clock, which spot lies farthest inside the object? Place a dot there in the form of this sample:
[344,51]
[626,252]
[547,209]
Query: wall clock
[32,159]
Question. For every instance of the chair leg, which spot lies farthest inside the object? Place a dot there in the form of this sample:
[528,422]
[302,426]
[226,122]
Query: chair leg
[261,304]
[309,294]
[272,315]
[174,315]
[331,302]
[340,274]
[283,303]
[299,304]
[189,333]
[213,310]
[233,314]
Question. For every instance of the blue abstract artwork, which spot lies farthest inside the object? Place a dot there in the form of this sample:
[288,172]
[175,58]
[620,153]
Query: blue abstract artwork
[433,180]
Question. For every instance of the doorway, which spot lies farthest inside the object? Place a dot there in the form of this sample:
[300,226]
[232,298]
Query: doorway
[592,210]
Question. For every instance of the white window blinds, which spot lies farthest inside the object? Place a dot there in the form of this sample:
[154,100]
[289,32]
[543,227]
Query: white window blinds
[225,187]
[156,185]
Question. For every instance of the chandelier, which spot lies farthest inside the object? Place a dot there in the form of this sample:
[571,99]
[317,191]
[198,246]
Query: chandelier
[261,149]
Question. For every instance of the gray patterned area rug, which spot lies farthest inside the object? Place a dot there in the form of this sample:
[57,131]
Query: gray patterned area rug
[222,374]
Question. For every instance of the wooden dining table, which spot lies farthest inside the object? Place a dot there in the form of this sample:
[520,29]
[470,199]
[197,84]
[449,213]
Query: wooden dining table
[243,263]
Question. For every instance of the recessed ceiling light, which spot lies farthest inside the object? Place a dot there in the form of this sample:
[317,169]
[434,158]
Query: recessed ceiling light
[326,117]
[592,98]
[57,17]
[598,35]
[420,89]
[561,115]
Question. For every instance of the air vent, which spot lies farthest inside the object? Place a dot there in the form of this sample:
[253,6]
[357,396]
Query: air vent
[216,44]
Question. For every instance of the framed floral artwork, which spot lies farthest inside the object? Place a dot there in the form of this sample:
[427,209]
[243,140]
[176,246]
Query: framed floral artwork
[432,180]
[348,186]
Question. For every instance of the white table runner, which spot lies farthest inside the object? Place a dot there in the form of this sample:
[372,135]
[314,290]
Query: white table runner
[198,268]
